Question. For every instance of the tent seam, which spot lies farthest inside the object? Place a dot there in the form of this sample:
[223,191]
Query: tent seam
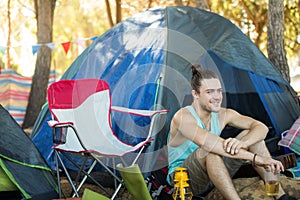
[11,177]
[25,164]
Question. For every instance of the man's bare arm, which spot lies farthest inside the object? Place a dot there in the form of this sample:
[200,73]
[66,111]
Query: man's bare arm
[214,144]
[257,131]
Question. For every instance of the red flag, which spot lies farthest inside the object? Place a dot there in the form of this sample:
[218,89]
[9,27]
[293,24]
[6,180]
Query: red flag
[66,46]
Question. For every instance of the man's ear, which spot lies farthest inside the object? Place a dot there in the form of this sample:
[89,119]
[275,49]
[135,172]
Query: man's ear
[195,94]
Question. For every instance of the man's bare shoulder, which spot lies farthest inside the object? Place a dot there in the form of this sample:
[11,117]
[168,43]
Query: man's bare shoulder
[176,137]
[183,114]
[227,112]
[226,115]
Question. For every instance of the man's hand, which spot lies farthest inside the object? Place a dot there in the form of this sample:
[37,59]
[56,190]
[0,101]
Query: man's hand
[233,145]
[270,164]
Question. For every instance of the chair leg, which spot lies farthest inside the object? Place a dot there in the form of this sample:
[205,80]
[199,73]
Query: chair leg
[81,169]
[108,170]
[116,178]
[58,176]
[114,171]
[67,174]
[87,174]
[138,155]
[116,191]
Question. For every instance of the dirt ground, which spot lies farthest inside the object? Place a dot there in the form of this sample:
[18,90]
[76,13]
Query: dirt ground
[67,190]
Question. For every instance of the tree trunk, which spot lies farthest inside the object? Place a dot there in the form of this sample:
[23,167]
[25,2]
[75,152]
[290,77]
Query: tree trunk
[8,35]
[150,3]
[276,49]
[37,96]
[178,2]
[118,11]
[109,16]
[202,4]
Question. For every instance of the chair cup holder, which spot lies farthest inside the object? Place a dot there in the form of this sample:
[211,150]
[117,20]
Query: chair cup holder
[60,135]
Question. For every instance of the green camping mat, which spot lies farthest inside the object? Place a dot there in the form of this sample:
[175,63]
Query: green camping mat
[91,195]
[134,181]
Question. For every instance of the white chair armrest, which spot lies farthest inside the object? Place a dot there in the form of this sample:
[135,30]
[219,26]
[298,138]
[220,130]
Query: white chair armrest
[54,123]
[147,113]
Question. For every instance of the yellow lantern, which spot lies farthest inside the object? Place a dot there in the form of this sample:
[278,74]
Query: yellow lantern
[181,186]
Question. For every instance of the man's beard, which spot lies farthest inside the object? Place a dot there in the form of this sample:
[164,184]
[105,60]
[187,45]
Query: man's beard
[212,107]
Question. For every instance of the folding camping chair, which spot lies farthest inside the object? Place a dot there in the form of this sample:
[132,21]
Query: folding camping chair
[81,112]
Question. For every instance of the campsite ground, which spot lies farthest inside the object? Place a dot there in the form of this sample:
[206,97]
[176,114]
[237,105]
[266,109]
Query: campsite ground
[66,188]
[248,188]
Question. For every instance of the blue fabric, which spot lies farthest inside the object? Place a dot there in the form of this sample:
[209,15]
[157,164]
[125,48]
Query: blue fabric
[264,86]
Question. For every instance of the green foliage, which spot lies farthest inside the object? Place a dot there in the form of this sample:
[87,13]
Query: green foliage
[292,27]
[251,16]
[1,61]
[76,19]
[13,65]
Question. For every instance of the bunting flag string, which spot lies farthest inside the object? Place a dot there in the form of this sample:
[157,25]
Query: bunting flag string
[66,45]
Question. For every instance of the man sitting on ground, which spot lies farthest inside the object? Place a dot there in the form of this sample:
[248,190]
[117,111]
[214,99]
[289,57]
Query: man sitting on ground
[194,141]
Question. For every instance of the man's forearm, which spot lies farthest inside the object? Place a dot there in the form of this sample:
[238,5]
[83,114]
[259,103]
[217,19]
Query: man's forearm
[214,144]
[256,134]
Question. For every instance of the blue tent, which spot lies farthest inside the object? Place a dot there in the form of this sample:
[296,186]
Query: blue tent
[146,61]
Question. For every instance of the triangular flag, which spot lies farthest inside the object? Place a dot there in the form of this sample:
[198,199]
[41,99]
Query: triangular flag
[66,46]
[94,38]
[50,45]
[35,48]
[2,50]
[80,42]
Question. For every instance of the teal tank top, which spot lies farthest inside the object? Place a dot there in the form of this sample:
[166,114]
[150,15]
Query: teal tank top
[176,155]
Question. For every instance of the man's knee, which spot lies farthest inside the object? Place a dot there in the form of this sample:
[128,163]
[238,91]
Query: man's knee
[206,159]
[259,145]
[214,160]
[260,148]
[214,157]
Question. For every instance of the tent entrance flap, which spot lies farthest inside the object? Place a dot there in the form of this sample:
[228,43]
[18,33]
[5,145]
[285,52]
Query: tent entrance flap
[277,100]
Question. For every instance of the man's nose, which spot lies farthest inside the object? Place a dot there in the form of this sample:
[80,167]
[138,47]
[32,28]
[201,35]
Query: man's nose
[217,95]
